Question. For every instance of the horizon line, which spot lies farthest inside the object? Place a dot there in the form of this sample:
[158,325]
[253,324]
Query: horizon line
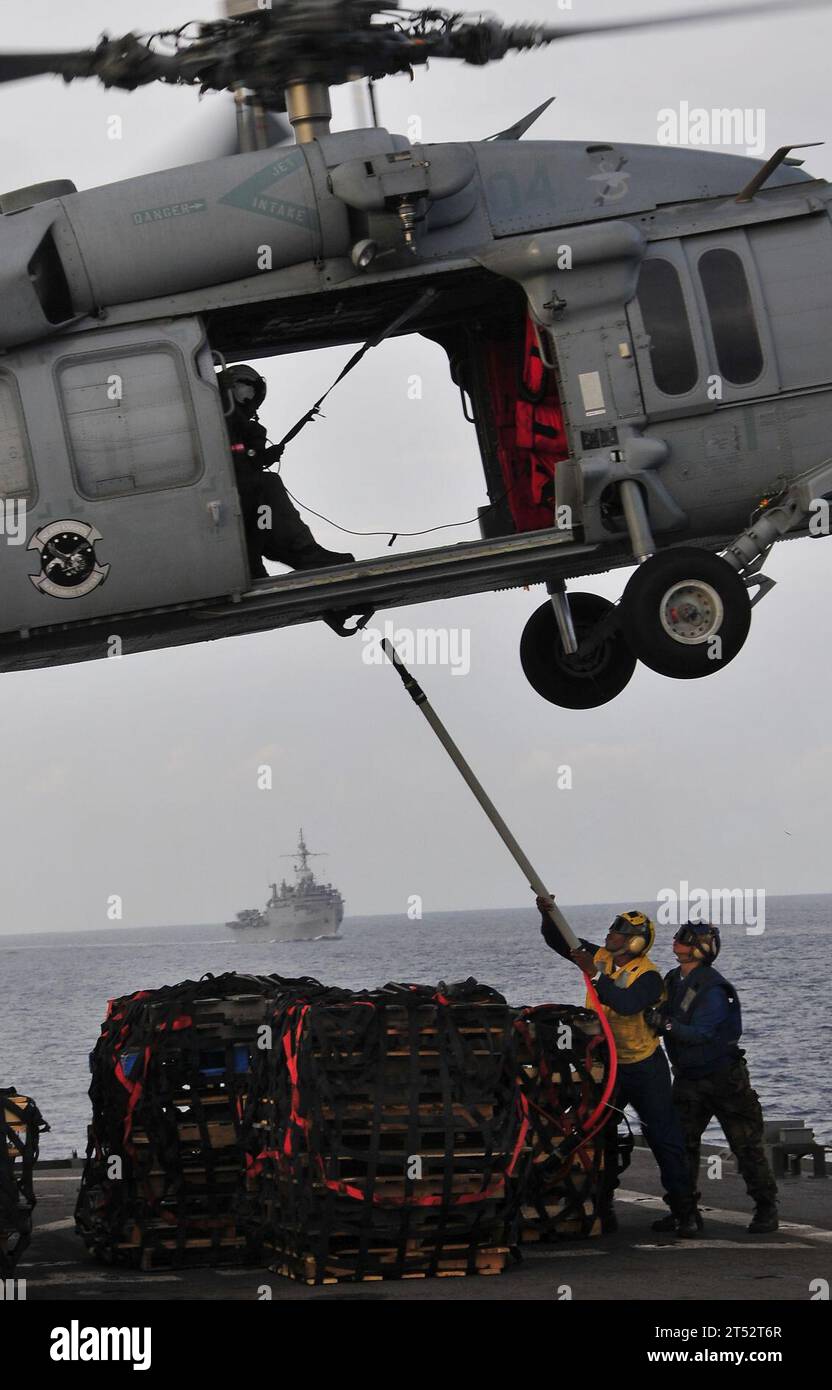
[358,916]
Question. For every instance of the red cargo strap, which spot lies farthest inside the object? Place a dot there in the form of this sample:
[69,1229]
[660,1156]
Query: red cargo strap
[291,1044]
[135,1089]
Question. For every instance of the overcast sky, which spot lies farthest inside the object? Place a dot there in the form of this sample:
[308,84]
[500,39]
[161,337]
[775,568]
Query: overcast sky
[139,777]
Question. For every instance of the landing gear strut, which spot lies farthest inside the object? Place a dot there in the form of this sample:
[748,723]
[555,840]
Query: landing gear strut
[598,668]
[686,612]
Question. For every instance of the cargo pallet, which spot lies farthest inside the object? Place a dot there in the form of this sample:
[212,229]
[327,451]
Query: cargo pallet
[408,1132]
[21,1125]
[170,1080]
[394,1152]
[560,1068]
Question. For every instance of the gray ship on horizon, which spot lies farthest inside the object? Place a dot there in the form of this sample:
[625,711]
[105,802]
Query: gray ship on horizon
[301,911]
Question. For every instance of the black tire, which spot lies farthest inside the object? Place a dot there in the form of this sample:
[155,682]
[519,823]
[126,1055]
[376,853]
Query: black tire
[575,682]
[718,605]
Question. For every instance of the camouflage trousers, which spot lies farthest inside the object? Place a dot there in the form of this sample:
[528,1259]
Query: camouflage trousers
[727,1096]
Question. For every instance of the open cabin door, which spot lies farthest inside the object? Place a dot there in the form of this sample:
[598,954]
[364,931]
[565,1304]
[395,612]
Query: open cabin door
[515,407]
[116,483]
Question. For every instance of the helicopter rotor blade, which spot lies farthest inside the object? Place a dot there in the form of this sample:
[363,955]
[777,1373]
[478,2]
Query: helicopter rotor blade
[262,50]
[524,35]
[125,62]
[15,66]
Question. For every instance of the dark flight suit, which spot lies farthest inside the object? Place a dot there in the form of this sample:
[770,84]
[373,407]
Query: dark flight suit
[710,1075]
[280,534]
[645,1083]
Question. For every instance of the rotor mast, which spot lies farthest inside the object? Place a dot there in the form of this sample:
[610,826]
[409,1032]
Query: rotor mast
[309,108]
[308,102]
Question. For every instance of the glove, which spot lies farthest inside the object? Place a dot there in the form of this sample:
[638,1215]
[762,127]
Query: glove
[585,961]
[658,1019]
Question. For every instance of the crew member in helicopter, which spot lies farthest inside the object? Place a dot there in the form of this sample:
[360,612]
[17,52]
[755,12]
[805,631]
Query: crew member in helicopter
[273,526]
[629,985]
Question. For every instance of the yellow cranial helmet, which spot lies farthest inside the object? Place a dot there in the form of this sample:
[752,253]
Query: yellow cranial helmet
[638,928]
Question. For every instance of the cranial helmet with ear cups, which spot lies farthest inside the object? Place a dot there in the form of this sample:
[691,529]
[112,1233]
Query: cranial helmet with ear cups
[703,939]
[639,930]
[242,375]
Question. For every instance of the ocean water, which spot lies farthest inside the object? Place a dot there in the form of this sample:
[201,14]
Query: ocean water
[54,989]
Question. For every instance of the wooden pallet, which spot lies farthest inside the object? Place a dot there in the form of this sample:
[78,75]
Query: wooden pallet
[453,1261]
[397,1115]
[156,1244]
[338,1218]
[222,1134]
[196,1181]
[195,1252]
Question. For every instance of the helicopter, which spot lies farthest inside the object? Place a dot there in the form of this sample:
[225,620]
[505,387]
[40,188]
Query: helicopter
[641,336]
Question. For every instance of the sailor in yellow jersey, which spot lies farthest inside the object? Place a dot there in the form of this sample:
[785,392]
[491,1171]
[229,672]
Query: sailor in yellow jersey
[629,983]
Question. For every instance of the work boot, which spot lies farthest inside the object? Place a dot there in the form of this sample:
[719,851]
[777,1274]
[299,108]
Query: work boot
[690,1223]
[684,1218]
[686,1226]
[314,557]
[765,1219]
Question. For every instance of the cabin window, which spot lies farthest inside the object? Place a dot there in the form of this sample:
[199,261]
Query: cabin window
[728,297]
[129,421]
[15,461]
[665,318]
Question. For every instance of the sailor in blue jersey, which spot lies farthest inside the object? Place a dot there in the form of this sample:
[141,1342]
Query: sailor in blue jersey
[701,1025]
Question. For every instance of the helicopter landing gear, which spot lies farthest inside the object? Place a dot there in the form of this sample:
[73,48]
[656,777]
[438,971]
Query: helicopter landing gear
[598,668]
[686,613]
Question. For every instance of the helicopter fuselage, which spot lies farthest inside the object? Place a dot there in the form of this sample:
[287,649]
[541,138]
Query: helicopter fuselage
[689,335]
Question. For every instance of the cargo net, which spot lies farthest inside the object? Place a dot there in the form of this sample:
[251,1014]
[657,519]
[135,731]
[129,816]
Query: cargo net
[398,1133]
[170,1074]
[21,1125]
[563,1068]
[387,1134]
